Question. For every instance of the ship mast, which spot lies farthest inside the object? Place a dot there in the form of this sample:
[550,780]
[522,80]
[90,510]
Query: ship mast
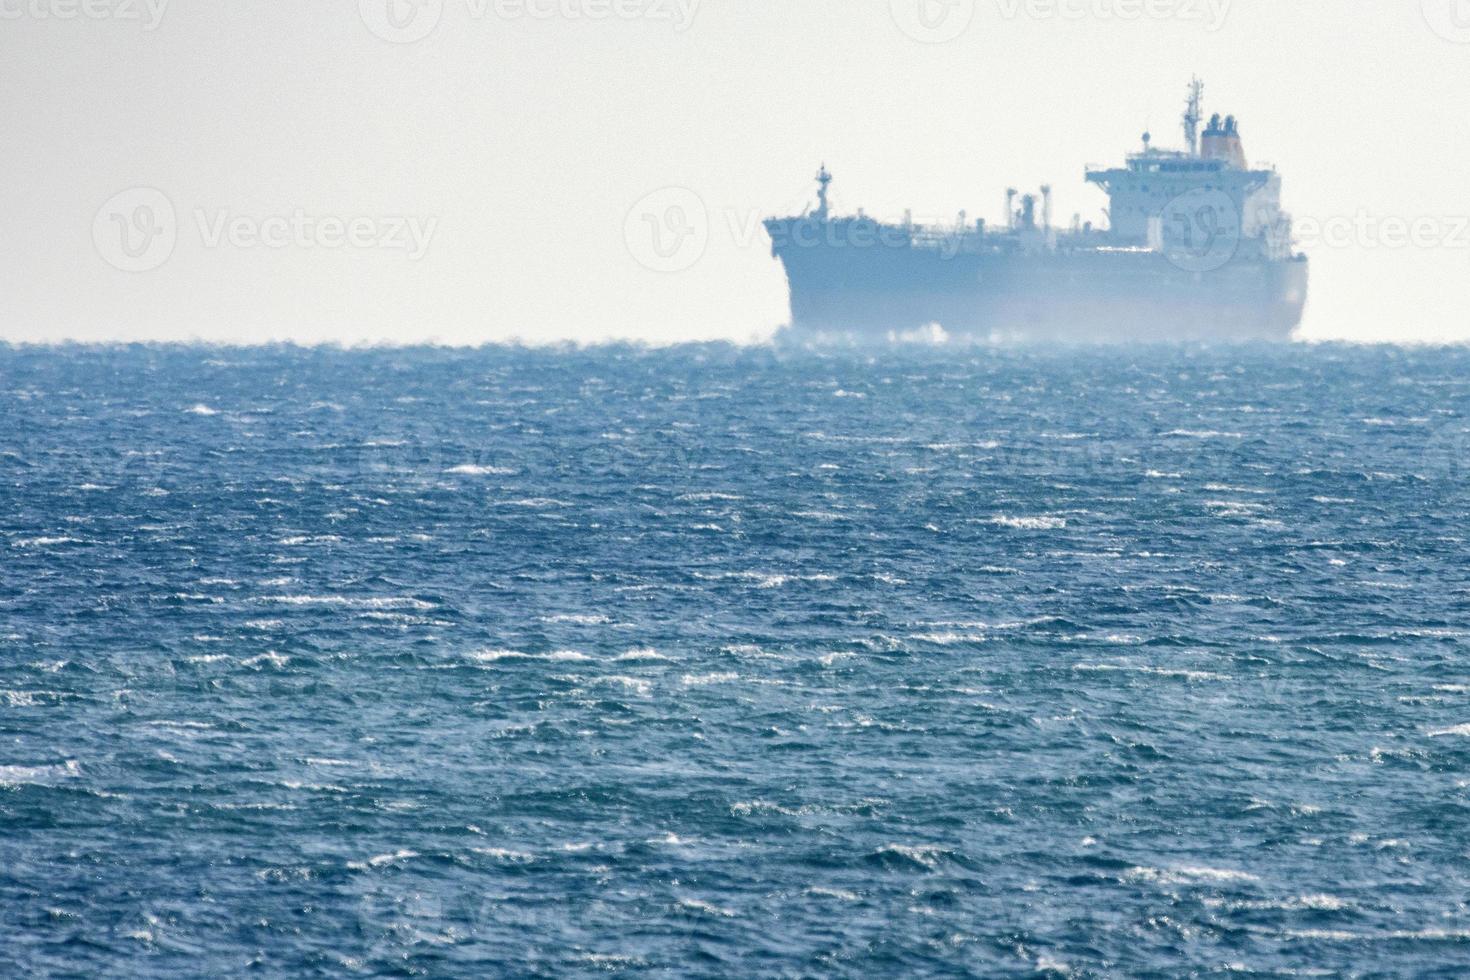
[1192,115]
[823,179]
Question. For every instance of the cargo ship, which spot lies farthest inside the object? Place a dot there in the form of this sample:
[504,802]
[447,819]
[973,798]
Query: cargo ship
[1195,246]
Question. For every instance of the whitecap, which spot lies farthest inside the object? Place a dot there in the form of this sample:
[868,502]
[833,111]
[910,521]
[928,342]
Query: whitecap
[38,775]
[491,656]
[948,638]
[1203,434]
[294,784]
[636,684]
[1178,673]
[1030,523]
[1045,964]
[705,680]
[613,960]
[642,654]
[746,808]
[354,602]
[706,907]
[505,854]
[559,656]
[383,860]
[1188,875]
[1310,903]
[927,855]
[470,469]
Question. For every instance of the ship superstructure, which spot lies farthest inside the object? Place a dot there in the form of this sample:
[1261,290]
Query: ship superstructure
[1196,246]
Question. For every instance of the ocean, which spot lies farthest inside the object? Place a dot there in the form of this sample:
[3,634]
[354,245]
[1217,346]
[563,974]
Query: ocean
[725,661]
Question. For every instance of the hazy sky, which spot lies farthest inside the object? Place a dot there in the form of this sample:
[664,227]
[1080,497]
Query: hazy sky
[472,170]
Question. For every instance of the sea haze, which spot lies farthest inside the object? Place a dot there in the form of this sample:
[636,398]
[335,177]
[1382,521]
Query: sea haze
[739,661]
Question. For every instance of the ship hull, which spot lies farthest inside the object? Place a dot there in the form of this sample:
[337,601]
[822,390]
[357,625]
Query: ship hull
[1091,296]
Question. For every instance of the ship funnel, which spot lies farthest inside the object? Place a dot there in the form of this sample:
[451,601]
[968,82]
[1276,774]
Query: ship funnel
[1046,206]
[1222,142]
[1011,208]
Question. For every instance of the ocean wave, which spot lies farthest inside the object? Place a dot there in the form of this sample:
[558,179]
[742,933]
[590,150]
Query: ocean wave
[553,656]
[1189,875]
[927,857]
[349,602]
[1030,523]
[708,680]
[643,654]
[383,860]
[470,469]
[39,775]
[707,908]
[1202,434]
[44,541]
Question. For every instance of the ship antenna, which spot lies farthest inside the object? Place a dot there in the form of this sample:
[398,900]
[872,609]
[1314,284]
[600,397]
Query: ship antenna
[823,179]
[1192,115]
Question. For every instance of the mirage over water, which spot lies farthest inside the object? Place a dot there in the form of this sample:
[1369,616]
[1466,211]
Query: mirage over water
[1196,247]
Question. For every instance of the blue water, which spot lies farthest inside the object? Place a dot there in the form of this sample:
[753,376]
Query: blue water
[711,661]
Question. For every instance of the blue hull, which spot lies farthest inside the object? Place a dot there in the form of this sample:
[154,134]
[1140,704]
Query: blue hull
[885,290]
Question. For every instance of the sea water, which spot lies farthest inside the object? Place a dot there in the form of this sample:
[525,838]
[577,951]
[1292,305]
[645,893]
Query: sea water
[734,661]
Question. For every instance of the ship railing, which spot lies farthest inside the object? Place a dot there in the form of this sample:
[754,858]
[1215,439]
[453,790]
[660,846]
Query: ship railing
[955,241]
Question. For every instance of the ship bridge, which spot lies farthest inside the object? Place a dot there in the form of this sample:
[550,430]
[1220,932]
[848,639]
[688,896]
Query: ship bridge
[1159,190]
